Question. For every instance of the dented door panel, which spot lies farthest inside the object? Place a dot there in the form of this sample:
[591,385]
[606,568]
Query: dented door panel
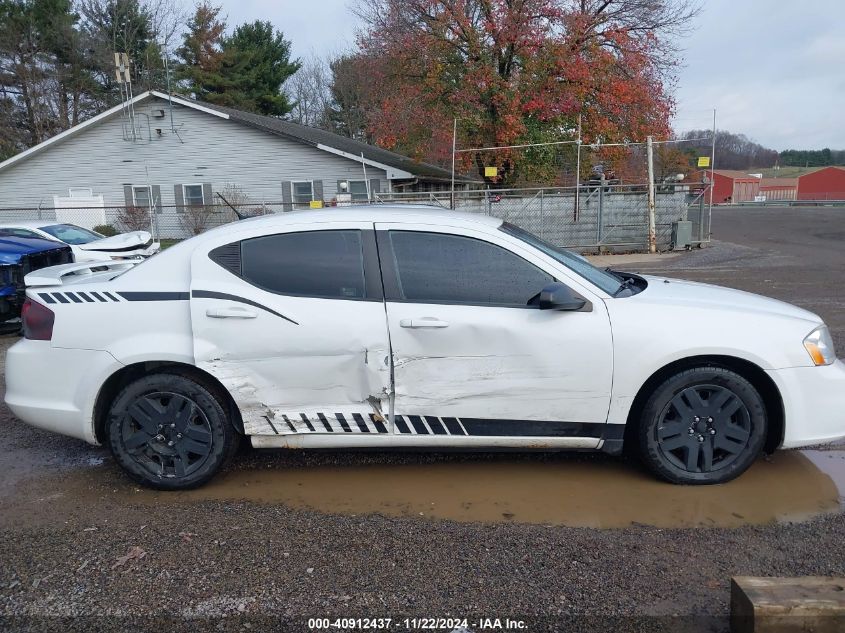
[291,361]
[503,363]
[491,362]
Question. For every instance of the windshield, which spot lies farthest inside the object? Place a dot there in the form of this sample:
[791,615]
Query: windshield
[71,234]
[598,277]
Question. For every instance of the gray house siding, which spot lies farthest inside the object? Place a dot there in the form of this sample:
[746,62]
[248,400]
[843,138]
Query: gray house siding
[206,150]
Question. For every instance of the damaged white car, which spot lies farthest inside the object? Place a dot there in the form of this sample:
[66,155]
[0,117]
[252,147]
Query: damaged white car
[87,245]
[417,328]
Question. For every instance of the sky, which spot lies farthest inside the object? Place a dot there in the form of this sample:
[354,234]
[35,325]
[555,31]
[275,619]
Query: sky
[774,70]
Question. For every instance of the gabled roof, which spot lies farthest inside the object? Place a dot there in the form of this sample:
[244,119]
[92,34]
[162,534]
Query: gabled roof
[815,171]
[396,165]
[329,141]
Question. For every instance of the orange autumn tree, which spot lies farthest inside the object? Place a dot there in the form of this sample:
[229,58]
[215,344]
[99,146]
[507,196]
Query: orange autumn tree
[515,72]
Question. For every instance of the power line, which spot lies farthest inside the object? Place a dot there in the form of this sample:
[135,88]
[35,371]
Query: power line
[577,142]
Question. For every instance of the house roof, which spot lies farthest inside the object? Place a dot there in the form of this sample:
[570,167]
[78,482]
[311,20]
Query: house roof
[396,165]
[323,139]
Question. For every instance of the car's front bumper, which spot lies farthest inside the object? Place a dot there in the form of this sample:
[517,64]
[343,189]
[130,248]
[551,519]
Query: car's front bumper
[814,403]
[55,388]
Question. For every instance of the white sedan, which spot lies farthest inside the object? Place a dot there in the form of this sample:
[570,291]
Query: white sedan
[416,328]
[87,245]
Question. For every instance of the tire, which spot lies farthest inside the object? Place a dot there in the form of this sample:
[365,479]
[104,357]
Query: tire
[170,432]
[704,425]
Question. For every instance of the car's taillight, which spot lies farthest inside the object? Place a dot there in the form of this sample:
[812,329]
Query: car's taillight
[37,321]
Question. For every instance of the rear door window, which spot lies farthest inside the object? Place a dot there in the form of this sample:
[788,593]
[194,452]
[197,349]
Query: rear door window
[326,264]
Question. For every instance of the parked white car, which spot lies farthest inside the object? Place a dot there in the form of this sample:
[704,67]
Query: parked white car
[87,245]
[384,327]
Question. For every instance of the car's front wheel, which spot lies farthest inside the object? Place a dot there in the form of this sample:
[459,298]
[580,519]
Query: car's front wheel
[704,425]
[170,432]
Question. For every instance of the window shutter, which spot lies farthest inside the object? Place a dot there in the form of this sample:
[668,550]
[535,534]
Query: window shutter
[127,195]
[375,187]
[179,195]
[207,195]
[318,190]
[287,200]
[157,198]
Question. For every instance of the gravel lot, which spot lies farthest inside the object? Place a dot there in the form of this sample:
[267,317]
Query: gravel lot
[81,548]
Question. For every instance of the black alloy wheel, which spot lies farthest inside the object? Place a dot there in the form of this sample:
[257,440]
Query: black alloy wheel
[170,432]
[701,426]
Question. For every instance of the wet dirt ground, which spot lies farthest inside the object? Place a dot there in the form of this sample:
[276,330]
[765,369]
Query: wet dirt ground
[559,541]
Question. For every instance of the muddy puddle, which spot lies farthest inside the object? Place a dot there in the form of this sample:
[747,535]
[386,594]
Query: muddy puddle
[791,486]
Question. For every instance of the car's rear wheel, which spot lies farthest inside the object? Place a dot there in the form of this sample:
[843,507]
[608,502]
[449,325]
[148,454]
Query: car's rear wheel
[704,425]
[170,432]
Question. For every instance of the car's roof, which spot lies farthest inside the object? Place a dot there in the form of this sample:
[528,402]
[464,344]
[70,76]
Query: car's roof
[383,213]
[427,214]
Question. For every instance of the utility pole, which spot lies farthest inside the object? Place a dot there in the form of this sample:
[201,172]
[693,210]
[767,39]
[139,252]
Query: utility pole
[578,170]
[652,230]
[454,147]
[705,235]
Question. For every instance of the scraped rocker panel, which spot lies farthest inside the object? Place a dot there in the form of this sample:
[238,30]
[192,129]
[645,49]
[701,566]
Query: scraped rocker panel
[308,422]
[293,423]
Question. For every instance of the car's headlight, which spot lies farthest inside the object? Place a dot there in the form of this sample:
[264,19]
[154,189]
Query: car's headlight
[819,345]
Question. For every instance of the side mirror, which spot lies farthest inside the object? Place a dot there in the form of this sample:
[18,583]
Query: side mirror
[558,296]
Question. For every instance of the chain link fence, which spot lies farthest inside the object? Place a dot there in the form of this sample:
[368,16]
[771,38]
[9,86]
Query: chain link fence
[598,216]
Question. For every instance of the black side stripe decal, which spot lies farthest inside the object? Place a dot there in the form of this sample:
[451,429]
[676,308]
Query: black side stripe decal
[359,420]
[73,297]
[418,424]
[531,428]
[343,423]
[272,426]
[289,423]
[378,423]
[453,426]
[307,421]
[47,298]
[325,422]
[86,297]
[400,424]
[155,296]
[435,426]
[209,294]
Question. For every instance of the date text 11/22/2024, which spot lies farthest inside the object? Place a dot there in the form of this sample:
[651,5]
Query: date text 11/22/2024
[453,625]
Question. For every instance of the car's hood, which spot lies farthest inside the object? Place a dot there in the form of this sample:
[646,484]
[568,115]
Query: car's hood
[679,292]
[11,248]
[123,242]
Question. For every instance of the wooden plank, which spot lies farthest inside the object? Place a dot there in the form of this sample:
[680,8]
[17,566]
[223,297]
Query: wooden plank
[787,605]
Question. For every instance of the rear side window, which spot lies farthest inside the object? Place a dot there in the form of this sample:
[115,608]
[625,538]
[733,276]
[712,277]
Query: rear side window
[327,264]
[441,268]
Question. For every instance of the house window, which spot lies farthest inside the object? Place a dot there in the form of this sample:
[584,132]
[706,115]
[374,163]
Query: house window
[193,195]
[358,189]
[303,193]
[142,196]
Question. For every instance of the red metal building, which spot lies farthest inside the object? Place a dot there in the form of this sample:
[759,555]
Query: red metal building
[731,185]
[779,188]
[827,183]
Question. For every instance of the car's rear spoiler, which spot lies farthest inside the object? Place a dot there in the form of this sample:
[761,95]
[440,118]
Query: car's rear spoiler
[70,273]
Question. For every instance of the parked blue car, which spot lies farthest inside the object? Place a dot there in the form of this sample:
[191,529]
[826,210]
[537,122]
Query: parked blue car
[19,256]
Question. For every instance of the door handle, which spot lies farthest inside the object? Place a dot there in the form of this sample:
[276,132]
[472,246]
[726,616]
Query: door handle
[423,322]
[230,313]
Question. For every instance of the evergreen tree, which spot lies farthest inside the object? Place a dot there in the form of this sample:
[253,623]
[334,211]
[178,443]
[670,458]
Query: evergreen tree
[245,70]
